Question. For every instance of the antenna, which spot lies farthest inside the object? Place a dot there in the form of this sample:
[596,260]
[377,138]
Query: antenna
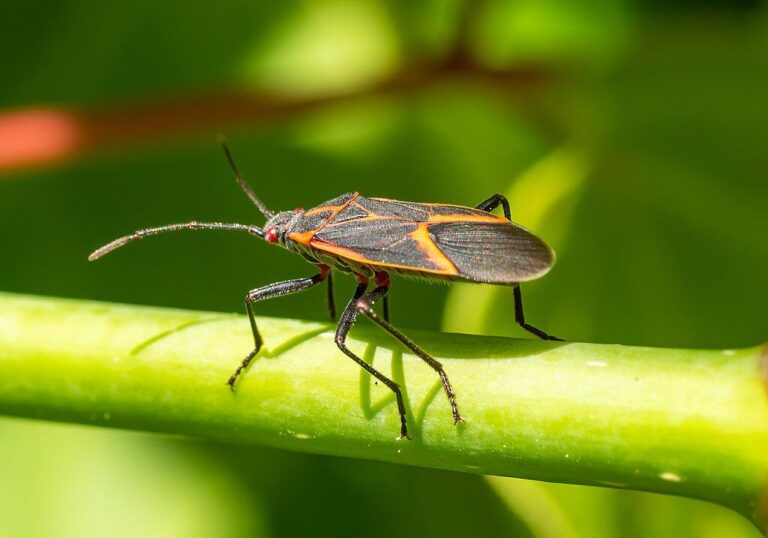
[194,225]
[243,184]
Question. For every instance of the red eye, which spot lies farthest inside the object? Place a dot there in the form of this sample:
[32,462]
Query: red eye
[270,235]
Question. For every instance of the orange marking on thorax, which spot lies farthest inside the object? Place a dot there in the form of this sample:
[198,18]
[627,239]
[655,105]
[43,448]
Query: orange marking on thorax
[332,208]
[302,238]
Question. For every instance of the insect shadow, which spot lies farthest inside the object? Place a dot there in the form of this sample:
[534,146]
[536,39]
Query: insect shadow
[448,345]
[271,352]
[138,348]
[290,343]
[415,416]
[456,346]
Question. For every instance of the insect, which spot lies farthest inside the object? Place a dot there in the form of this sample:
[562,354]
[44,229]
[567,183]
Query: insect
[369,238]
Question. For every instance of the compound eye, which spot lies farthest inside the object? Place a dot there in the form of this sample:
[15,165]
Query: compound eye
[270,235]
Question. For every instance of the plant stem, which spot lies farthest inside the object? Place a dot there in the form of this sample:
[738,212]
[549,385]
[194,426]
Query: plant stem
[682,422]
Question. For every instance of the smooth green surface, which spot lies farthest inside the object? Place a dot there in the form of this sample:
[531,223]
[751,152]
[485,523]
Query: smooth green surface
[684,422]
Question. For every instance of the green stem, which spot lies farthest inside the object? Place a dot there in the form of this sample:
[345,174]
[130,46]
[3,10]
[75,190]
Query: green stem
[682,422]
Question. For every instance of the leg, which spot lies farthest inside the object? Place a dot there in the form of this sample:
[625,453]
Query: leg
[331,302]
[267,292]
[489,205]
[365,305]
[346,322]
[520,318]
[382,279]
[495,201]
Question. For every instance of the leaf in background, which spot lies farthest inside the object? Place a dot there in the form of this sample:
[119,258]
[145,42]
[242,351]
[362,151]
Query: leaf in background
[93,483]
[327,47]
[553,31]
[74,481]
[86,52]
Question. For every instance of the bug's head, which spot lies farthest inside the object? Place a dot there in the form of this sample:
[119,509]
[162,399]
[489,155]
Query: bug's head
[277,226]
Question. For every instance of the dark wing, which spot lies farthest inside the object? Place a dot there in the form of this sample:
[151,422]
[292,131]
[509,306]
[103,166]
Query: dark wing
[496,253]
[392,243]
[444,240]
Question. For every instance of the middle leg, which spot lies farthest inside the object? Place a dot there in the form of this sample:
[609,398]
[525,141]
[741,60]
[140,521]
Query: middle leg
[385,307]
[329,293]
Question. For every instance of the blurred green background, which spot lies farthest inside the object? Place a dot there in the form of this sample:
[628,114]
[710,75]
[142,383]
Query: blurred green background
[630,135]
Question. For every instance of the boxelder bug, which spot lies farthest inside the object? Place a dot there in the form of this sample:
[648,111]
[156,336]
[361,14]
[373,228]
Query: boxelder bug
[372,237]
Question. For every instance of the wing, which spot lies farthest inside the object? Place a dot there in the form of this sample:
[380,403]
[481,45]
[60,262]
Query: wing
[384,242]
[496,253]
[449,241]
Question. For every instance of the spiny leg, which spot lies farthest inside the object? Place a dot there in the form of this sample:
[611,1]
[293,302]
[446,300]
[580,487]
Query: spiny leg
[520,318]
[365,305]
[268,292]
[347,320]
[495,201]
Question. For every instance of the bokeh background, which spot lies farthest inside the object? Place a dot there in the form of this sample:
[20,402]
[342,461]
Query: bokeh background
[630,135]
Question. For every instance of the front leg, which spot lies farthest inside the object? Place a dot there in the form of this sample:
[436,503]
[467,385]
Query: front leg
[267,292]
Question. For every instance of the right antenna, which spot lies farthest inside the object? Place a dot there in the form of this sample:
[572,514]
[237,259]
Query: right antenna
[244,184]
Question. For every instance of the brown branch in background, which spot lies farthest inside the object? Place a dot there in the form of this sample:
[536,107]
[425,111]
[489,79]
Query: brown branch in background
[462,37]
[41,135]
